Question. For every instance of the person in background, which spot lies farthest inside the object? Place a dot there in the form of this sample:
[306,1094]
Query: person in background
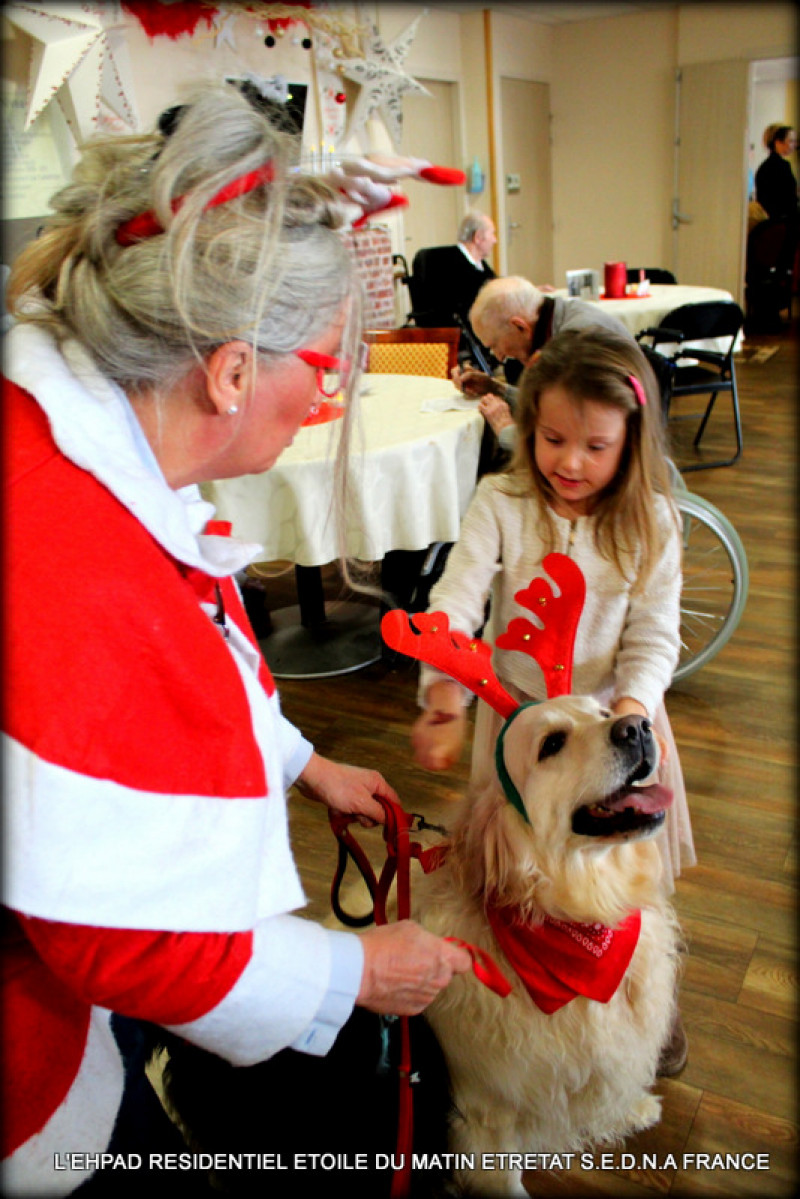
[476,238]
[446,279]
[590,479]
[515,319]
[172,325]
[776,185]
[771,266]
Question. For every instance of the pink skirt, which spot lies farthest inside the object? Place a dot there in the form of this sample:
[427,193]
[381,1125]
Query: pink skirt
[675,840]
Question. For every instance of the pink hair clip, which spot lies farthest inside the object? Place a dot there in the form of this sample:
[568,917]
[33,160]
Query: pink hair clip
[638,390]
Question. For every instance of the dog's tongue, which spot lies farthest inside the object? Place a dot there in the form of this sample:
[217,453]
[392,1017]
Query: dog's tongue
[654,798]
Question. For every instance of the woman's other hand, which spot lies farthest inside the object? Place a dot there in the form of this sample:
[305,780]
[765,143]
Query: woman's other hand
[405,968]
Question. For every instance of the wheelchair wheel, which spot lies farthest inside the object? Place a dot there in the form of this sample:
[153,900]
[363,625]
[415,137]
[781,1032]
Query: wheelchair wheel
[715,582]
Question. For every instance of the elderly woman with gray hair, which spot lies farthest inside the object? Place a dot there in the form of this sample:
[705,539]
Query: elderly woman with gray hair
[171,326]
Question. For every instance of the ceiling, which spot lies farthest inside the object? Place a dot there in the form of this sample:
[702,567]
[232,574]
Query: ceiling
[555,13]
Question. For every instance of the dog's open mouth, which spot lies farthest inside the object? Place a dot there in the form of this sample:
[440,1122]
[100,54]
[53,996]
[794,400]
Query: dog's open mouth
[630,810]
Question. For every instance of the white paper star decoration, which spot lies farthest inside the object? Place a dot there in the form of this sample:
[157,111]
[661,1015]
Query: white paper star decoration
[78,60]
[383,81]
[223,30]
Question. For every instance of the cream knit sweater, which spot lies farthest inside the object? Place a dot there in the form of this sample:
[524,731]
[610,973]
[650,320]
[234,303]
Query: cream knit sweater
[627,643]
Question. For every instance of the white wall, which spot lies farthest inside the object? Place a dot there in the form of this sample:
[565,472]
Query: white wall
[612,97]
[613,131]
[714,32]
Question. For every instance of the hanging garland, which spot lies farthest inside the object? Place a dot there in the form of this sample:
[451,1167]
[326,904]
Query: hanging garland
[178,17]
[170,20]
[281,16]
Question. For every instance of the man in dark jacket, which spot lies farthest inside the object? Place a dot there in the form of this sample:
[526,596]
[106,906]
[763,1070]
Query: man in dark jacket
[446,279]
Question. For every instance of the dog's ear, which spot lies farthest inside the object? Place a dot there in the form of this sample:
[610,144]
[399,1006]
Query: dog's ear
[489,849]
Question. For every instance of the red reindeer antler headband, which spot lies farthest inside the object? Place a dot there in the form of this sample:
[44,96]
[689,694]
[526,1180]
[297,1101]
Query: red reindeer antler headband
[362,181]
[428,638]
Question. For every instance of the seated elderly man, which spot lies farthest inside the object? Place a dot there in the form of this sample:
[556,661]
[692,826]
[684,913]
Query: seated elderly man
[446,279]
[514,319]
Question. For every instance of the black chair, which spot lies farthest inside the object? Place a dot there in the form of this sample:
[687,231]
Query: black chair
[400,272]
[427,310]
[768,275]
[654,273]
[422,313]
[704,372]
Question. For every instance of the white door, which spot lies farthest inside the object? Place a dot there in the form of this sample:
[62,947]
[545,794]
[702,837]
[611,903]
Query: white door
[429,125]
[526,207]
[712,175]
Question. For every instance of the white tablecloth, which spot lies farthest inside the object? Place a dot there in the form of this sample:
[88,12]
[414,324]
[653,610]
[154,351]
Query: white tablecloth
[642,312]
[412,475]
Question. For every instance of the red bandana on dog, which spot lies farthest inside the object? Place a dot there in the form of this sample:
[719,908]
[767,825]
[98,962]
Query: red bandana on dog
[557,960]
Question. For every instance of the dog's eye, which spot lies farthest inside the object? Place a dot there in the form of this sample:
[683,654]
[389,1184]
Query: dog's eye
[551,745]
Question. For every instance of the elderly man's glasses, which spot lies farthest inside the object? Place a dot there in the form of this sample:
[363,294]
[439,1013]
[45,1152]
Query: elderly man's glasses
[332,373]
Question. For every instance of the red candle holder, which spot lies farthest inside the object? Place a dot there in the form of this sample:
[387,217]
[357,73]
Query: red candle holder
[616,280]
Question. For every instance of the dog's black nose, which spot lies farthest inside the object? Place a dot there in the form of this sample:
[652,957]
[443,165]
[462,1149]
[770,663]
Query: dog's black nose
[632,730]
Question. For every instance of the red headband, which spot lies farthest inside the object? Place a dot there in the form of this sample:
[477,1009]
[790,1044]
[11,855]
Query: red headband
[147,224]
[428,637]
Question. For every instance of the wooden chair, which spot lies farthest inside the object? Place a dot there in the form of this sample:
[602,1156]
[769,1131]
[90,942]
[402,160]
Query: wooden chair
[412,351]
[406,575]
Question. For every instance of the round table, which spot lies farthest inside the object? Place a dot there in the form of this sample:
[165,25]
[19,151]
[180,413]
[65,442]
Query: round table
[412,470]
[642,312]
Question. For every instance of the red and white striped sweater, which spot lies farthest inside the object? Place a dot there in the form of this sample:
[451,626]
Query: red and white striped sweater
[148,867]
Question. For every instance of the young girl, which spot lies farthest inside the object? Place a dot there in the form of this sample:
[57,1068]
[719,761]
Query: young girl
[589,478]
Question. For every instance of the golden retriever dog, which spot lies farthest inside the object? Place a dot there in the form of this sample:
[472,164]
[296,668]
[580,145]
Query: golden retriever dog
[574,858]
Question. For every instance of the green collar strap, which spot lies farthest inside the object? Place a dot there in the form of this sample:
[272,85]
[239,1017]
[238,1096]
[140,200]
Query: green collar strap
[511,793]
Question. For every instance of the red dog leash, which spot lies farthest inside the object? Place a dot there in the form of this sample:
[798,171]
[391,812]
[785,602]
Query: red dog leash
[399,851]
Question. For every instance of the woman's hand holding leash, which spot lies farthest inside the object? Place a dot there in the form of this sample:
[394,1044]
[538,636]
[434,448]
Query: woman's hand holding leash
[346,788]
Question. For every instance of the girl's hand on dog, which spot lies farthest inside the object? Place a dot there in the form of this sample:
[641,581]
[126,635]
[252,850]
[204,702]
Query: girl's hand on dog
[405,968]
[346,788]
[437,736]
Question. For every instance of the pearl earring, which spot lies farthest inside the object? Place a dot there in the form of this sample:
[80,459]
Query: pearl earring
[234,408]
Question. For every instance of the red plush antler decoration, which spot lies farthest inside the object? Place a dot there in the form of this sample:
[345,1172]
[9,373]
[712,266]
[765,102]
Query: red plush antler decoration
[552,645]
[467,659]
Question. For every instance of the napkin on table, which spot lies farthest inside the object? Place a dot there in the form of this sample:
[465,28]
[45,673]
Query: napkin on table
[449,403]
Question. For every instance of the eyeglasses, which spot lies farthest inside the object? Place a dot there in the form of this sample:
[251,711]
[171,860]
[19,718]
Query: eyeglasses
[326,364]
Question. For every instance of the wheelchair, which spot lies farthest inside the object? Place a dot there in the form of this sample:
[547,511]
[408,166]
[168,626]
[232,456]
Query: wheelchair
[715,570]
[715,579]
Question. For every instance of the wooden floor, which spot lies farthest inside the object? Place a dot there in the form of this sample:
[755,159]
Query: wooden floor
[734,723]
